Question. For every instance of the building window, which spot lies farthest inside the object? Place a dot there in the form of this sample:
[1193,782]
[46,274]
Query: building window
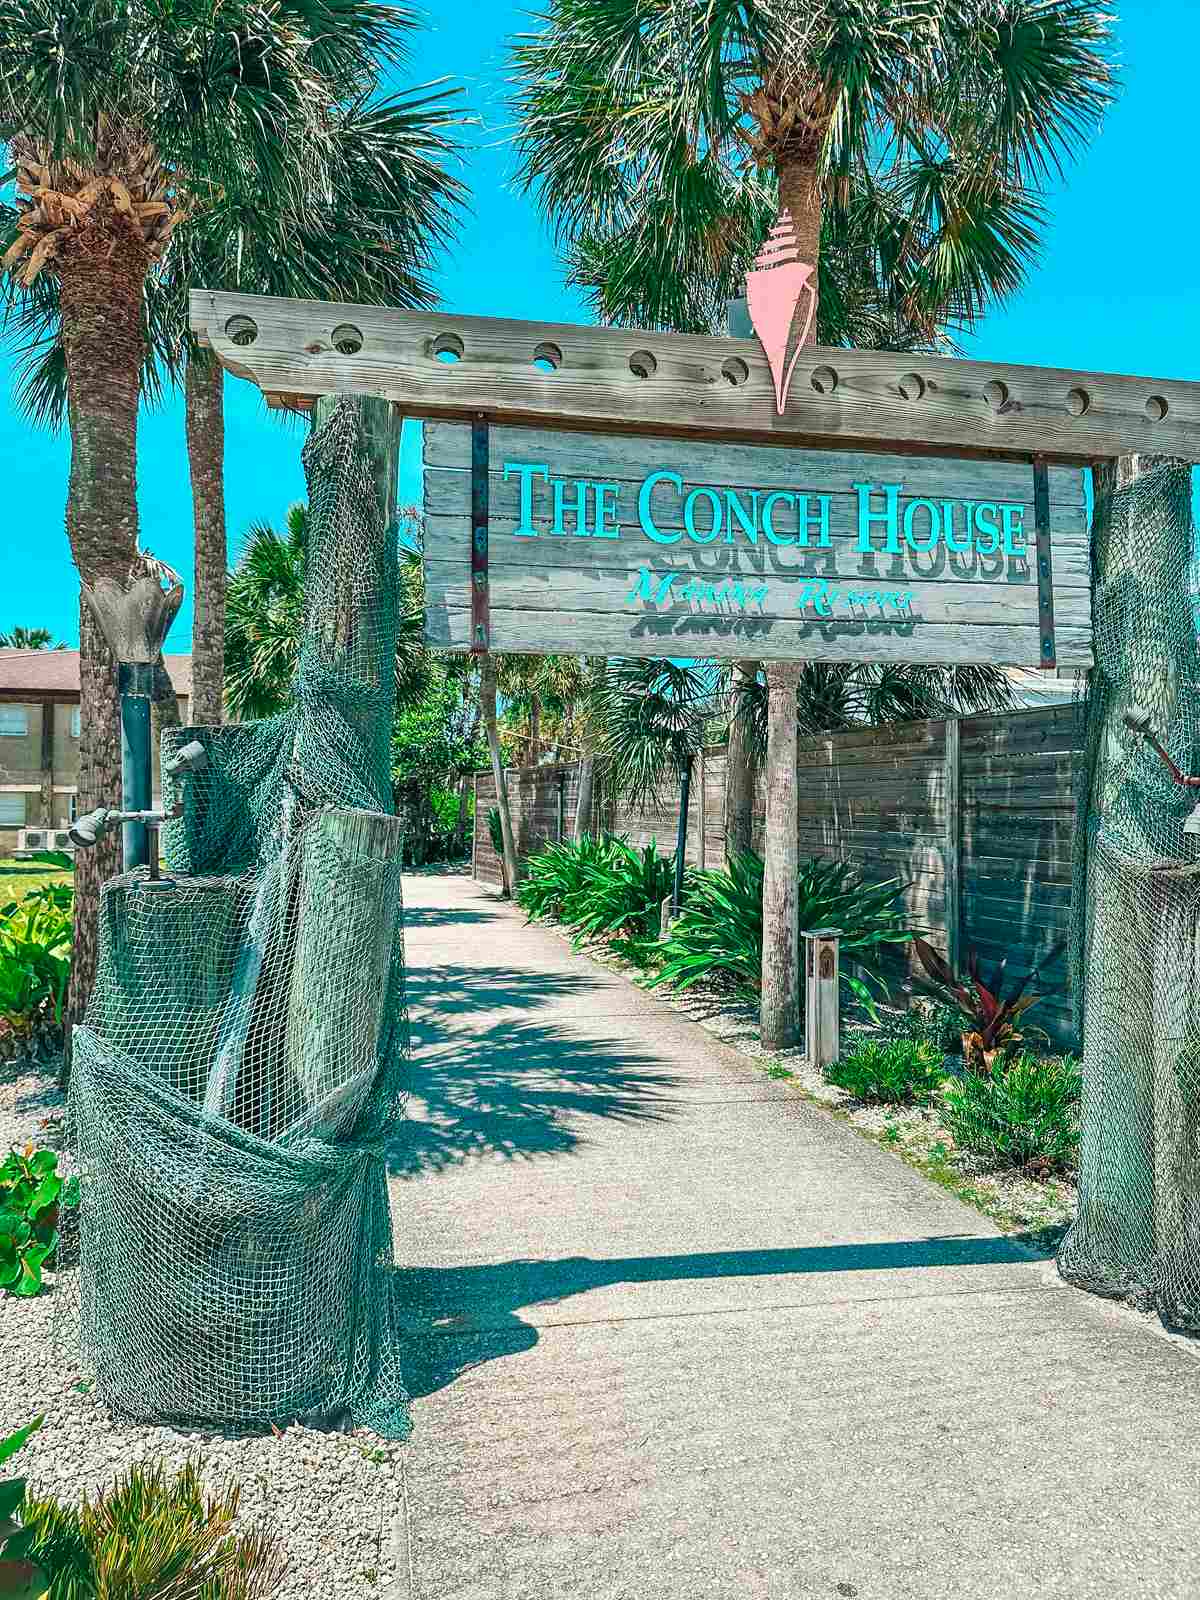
[12,810]
[14,720]
[75,722]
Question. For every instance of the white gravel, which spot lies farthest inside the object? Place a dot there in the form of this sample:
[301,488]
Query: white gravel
[334,1500]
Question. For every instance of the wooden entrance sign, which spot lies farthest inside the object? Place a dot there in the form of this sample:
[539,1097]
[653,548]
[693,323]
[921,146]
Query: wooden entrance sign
[606,491]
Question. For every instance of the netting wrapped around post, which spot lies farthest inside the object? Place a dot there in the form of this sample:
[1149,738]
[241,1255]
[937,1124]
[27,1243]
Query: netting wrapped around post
[1137,910]
[243,1056]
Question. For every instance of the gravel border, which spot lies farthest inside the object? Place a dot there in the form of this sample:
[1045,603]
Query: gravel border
[334,1500]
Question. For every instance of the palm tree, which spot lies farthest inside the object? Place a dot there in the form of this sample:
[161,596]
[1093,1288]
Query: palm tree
[20,638]
[908,142]
[656,715]
[124,120]
[265,620]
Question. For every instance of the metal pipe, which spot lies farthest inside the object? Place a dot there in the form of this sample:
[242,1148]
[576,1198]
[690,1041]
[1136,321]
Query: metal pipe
[685,786]
[135,680]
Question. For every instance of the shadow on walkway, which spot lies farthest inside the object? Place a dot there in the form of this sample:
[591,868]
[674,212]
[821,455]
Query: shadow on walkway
[456,1318]
[517,1091]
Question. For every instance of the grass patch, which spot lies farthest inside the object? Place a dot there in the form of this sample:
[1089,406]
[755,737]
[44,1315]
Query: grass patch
[17,878]
[890,1072]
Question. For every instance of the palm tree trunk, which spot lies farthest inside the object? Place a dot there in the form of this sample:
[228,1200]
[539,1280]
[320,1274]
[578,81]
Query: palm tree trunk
[741,775]
[780,1010]
[460,821]
[535,730]
[205,412]
[103,344]
[487,698]
[583,801]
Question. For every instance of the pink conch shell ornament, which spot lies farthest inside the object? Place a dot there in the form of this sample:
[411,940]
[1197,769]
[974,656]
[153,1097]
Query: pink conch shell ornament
[777,286]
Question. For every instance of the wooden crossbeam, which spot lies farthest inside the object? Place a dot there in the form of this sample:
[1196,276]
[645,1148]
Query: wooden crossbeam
[438,364]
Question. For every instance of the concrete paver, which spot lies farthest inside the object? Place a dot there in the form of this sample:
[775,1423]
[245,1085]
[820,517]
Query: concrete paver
[674,1332]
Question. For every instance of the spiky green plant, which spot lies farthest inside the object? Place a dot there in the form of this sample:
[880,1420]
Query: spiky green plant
[150,1536]
[894,1072]
[718,936]
[1023,1114]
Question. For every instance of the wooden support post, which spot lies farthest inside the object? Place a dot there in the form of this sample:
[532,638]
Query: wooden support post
[952,850]
[822,999]
[48,818]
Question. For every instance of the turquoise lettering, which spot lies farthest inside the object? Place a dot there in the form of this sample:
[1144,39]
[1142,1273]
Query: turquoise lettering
[889,516]
[581,489]
[736,512]
[1012,519]
[987,526]
[525,470]
[910,537]
[806,519]
[645,520]
[948,533]
[689,520]
[604,530]
[768,519]
[644,588]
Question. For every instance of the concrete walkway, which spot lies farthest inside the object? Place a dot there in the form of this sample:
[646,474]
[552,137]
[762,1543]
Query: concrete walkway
[676,1333]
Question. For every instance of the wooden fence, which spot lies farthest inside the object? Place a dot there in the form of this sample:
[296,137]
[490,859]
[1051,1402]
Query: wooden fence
[975,815]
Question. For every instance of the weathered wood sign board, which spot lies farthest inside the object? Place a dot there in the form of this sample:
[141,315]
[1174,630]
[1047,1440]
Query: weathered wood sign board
[616,544]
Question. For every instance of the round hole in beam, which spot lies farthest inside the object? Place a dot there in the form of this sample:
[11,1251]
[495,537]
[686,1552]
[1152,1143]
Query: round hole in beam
[346,339]
[1079,402]
[824,380]
[912,386]
[242,330]
[547,357]
[735,371]
[996,394]
[643,364]
[1156,408]
[448,347]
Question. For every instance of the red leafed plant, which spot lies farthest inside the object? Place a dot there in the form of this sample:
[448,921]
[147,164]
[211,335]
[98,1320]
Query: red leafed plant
[990,1020]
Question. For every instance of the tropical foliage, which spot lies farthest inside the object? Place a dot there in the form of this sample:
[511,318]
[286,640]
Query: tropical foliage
[18,1576]
[661,139]
[1025,1113]
[989,1019]
[33,1196]
[151,1535]
[35,966]
[603,888]
[20,638]
[889,1072]
[718,936]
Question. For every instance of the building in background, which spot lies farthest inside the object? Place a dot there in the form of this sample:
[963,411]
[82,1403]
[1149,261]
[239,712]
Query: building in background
[39,738]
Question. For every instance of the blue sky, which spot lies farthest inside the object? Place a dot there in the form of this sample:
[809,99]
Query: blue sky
[1116,291]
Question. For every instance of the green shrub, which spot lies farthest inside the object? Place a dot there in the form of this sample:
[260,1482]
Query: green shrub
[890,1072]
[35,963]
[932,1022]
[600,888]
[150,1536]
[718,936]
[559,873]
[1024,1113]
[18,1576]
[496,830]
[32,1196]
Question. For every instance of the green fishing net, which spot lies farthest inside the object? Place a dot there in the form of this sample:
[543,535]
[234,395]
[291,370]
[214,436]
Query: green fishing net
[243,1056]
[1137,909]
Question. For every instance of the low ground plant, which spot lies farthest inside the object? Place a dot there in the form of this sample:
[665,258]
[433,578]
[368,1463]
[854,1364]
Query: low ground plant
[718,937]
[892,1072]
[33,1196]
[602,888]
[931,1022]
[1025,1113]
[992,1021]
[35,965]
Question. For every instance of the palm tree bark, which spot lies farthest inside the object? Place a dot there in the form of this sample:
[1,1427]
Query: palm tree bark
[780,1010]
[583,801]
[487,699]
[741,776]
[102,273]
[204,386]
